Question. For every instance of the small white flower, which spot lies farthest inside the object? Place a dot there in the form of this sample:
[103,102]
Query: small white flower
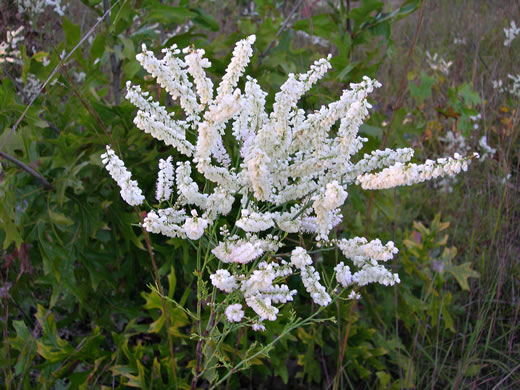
[354,295]
[258,327]
[300,258]
[194,226]
[224,281]
[234,313]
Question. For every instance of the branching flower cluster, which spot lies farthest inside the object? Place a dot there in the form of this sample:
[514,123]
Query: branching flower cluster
[513,88]
[35,7]
[287,172]
[438,63]
[511,33]
[9,52]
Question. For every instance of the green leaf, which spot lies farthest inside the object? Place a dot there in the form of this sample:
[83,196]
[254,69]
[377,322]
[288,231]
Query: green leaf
[60,219]
[422,91]
[168,15]
[51,346]
[172,282]
[9,227]
[319,25]
[461,273]
[72,33]
[98,47]
[204,20]
[384,379]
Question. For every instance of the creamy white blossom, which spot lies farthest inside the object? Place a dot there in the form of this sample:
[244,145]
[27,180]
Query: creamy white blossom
[165,179]
[234,313]
[354,295]
[263,307]
[35,7]
[400,174]
[224,281]
[166,221]
[343,275]
[255,222]
[194,226]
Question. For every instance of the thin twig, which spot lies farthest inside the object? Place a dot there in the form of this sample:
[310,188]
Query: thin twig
[28,169]
[114,63]
[282,29]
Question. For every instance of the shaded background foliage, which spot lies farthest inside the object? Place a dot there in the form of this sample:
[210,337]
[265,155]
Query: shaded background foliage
[81,304]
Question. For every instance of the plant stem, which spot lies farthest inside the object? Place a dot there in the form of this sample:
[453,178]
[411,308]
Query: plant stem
[163,301]
[343,348]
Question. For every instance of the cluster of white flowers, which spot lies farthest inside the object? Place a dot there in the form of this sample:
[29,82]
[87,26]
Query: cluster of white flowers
[34,7]
[454,142]
[31,86]
[9,51]
[401,174]
[234,313]
[475,119]
[499,85]
[486,150]
[130,190]
[511,33]
[513,88]
[459,41]
[165,180]
[438,64]
[287,174]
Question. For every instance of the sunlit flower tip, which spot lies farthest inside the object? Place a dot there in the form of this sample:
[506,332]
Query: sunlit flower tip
[130,191]
[165,180]
[354,295]
[343,275]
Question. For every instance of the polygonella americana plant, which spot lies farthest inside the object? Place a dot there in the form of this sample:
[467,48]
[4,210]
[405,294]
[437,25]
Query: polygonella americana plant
[289,174]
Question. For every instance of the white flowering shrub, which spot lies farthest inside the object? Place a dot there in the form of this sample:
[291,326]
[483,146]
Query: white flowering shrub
[286,173]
